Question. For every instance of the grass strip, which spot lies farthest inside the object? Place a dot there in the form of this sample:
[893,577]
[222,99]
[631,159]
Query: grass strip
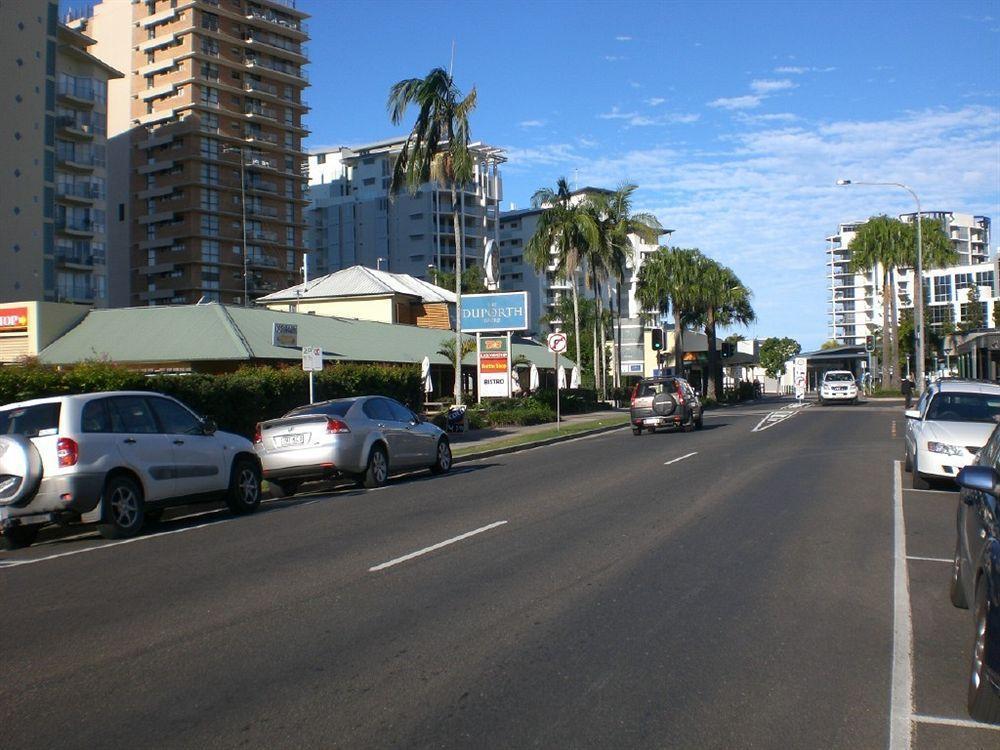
[570,428]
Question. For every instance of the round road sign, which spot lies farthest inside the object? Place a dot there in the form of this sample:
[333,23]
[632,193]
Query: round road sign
[556,342]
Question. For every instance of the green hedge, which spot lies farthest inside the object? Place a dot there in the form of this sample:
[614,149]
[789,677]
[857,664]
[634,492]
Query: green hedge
[236,401]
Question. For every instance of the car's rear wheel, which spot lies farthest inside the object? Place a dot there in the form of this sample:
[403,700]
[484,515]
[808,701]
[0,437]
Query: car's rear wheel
[983,701]
[955,591]
[699,422]
[244,487]
[19,537]
[919,483]
[377,471]
[123,508]
[636,430]
[442,461]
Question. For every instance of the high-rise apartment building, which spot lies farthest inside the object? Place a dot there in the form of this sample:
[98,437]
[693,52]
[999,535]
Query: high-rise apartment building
[53,159]
[856,298]
[353,220]
[213,206]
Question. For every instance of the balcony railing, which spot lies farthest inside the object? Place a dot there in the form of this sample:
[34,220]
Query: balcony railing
[262,14]
[256,109]
[79,190]
[80,257]
[75,225]
[260,234]
[288,70]
[265,88]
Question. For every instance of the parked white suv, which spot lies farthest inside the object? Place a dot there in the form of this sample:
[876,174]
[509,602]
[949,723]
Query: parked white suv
[838,385]
[117,458]
[952,422]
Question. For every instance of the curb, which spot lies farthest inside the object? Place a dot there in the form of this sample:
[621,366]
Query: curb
[488,452]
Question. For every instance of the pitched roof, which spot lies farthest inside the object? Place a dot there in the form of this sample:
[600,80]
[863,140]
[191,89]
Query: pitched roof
[360,281]
[214,332]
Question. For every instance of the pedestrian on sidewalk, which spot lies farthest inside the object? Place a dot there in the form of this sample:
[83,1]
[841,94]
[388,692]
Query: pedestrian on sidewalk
[907,388]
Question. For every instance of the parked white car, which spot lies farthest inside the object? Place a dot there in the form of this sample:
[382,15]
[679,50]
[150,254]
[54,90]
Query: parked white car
[117,458]
[951,423]
[838,385]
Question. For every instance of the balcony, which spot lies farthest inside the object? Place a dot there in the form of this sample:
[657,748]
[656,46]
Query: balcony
[257,110]
[261,87]
[266,187]
[75,128]
[268,212]
[294,72]
[81,291]
[82,93]
[260,234]
[78,227]
[76,259]
[263,261]
[78,162]
[262,137]
[78,192]
[285,23]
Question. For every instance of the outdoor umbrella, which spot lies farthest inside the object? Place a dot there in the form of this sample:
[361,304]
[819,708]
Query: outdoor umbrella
[533,381]
[425,375]
[574,380]
[562,377]
[515,382]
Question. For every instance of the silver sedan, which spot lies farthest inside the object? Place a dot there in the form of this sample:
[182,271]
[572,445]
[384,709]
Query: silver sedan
[366,437]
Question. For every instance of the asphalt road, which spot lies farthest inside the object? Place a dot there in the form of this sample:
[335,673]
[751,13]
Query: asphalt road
[732,587]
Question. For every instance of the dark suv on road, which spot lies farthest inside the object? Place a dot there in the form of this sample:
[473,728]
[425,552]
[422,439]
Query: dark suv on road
[667,402]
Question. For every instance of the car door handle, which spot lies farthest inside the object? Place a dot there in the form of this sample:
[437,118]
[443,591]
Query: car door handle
[130,441]
[178,442]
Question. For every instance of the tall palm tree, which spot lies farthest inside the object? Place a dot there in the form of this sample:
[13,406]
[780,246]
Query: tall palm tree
[447,350]
[722,299]
[564,230]
[437,148]
[617,223]
[666,283]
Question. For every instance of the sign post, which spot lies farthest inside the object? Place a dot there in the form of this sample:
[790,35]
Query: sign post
[557,344]
[312,362]
[799,371]
[494,366]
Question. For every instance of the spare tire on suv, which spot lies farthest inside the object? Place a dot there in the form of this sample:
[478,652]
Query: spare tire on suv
[20,470]
[664,404]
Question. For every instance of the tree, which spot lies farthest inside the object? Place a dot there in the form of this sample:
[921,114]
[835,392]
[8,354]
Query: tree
[563,232]
[666,284]
[973,318]
[830,344]
[436,149]
[472,280]
[447,350]
[775,352]
[563,310]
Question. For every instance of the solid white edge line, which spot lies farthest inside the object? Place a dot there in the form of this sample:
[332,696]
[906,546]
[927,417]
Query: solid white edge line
[439,545]
[901,696]
[955,722]
[930,559]
[680,458]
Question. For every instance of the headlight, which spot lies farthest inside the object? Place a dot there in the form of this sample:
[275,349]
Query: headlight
[948,450]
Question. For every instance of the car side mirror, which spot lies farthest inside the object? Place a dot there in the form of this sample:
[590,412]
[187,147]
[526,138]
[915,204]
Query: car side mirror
[208,426]
[981,478]
[912,413]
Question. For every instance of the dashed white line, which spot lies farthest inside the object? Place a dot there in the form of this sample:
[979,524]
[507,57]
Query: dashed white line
[439,545]
[930,559]
[901,697]
[680,458]
[955,722]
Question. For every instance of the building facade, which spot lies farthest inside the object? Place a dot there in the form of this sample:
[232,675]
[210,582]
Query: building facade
[353,219]
[53,159]
[856,298]
[213,206]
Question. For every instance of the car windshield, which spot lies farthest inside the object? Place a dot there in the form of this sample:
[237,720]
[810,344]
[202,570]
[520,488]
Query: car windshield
[651,388]
[839,377]
[333,409]
[965,407]
[30,421]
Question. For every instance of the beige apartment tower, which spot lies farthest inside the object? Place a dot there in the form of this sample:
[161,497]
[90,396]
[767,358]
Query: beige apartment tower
[209,117]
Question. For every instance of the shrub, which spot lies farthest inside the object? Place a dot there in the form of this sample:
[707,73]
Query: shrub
[520,415]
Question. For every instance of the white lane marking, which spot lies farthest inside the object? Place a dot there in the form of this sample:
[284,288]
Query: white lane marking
[901,697]
[950,493]
[779,416]
[680,458]
[955,722]
[439,545]
[929,559]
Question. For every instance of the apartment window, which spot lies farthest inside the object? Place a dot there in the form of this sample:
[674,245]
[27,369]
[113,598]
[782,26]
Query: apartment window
[209,96]
[210,148]
[210,251]
[321,158]
[209,224]
[985,278]
[210,121]
[209,199]
[289,235]
[151,258]
[369,181]
[210,21]
[942,289]
[966,308]
[963,281]
[369,161]
[209,47]
[941,314]
[290,260]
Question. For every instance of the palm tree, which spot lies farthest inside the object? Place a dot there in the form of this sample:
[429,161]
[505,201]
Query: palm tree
[722,299]
[564,230]
[437,148]
[447,350]
[665,283]
[616,222]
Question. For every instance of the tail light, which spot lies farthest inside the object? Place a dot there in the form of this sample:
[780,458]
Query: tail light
[257,438]
[635,391]
[335,426]
[680,390]
[68,451]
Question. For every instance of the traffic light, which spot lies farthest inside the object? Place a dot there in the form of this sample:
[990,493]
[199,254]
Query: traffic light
[869,343]
[727,349]
[656,340]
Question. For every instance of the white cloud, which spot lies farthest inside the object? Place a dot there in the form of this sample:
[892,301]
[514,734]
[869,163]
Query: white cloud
[656,101]
[799,70]
[614,58]
[769,86]
[635,84]
[531,123]
[636,120]
[737,102]
[771,117]
[623,38]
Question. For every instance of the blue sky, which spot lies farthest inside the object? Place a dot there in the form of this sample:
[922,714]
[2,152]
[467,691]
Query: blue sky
[734,118]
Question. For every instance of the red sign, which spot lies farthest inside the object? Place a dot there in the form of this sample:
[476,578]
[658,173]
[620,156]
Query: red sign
[13,319]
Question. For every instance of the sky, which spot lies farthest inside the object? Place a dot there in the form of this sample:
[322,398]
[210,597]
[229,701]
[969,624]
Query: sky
[735,119]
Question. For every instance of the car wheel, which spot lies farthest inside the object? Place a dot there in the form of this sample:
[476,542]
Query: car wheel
[442,464]
[955,591]
[378,469]
[19,537]
[636,430]
[907,463]
[983,701]
[244,487]
[286,488]
[123,510]
[699,422]
[919,483]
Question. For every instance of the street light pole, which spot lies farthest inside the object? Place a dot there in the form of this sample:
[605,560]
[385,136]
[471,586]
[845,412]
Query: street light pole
[243,205]
[918,282]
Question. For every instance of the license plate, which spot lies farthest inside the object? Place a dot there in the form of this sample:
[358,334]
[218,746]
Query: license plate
[284,441]
[655,420]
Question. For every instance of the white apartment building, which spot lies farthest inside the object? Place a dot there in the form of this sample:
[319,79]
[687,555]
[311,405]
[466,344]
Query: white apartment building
[856,298]
[353,220]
